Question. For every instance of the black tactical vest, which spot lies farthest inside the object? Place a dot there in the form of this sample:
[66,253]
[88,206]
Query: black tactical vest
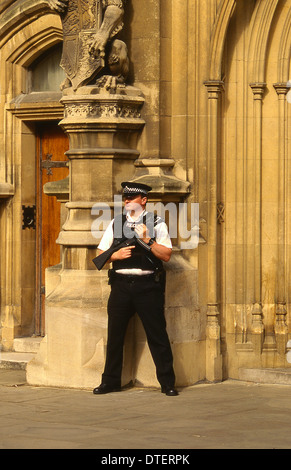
[140,258]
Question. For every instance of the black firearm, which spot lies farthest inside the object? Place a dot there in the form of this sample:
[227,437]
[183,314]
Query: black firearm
[102,259]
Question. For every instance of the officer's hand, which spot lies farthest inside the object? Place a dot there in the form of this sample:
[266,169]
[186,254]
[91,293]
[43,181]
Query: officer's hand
[142,232]
[123,253]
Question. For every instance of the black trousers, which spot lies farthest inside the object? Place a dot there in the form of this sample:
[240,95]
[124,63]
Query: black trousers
[130,295]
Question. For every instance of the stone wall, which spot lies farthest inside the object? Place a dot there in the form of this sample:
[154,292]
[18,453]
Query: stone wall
[214,78]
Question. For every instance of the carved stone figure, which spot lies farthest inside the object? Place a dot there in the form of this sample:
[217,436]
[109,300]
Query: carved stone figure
[88,28]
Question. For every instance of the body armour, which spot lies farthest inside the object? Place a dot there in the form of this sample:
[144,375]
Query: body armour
[140,258]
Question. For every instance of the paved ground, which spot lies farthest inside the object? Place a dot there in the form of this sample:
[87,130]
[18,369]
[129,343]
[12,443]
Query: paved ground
[228,415]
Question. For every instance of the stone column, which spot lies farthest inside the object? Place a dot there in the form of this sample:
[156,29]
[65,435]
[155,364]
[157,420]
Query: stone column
[103,130]
[213,351]
[281,328]
[257,328]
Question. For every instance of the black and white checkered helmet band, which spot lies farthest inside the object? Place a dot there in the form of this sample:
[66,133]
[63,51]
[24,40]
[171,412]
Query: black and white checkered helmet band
[130,187]
[134,190]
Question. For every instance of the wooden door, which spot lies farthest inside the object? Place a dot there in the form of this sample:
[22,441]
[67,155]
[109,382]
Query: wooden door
[52,144]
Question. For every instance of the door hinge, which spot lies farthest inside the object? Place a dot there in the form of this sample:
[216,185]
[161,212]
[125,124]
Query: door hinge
[48,164]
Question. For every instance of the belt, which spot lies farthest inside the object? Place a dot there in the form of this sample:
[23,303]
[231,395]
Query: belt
[132,277]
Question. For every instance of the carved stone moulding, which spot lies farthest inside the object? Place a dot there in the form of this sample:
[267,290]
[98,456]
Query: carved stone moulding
[90,105]
[157,172]
[59,188]
[6,190]
[77,229]
[102,109]
[103,153]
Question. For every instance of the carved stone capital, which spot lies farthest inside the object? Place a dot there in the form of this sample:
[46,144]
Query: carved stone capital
[214,88]
[157,172]
[258,90]
[87,104]
[281,88]
[102,110]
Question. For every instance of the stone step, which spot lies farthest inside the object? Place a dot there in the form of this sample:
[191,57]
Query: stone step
[15,360]
[278,376]
[12,377]
[24,349]
[29,344]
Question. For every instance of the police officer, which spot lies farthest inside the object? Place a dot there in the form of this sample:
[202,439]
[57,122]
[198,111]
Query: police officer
[137,286]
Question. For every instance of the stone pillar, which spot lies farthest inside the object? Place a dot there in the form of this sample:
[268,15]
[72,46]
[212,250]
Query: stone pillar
[257,327]
[213,351]
[281,328]
[103,131]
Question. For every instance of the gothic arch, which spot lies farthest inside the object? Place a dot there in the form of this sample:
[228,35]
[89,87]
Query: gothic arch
[224,14]
[34,30]
[19,14]
[284,54]
[259,34]
[27,29]
[27,51]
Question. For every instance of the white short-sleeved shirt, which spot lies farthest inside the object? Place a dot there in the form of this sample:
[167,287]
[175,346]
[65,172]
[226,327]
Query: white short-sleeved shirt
[161,233]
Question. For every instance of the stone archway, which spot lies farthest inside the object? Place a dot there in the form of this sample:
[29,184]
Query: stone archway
[31,36]
[253,161]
